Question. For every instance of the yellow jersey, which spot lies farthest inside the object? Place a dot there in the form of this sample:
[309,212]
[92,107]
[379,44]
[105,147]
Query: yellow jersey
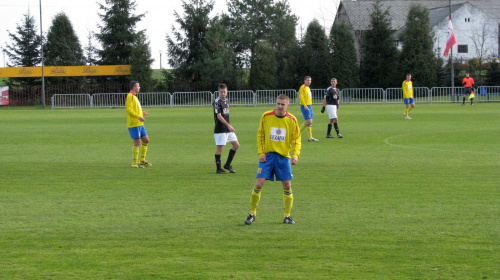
[134,110]
[305,95]
[407,89]
[278,134]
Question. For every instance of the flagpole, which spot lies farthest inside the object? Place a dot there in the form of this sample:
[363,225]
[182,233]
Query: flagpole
[41,55]
[451,52]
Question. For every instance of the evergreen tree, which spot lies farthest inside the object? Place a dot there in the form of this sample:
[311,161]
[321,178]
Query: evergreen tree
[250,21]
[417,56]
[118,33]
[493,74]
[254,22]
[62,47]
[316,56]
[218,63]
[263,69]
[25,50]
[90,51]
[141,62]
[379,58]
[343,62]
[186,47]
[285,44]
[442,76]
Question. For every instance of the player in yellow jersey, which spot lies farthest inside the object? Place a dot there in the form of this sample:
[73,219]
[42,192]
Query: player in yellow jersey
[408,96]
[278,134]
[305,97]
[135,123]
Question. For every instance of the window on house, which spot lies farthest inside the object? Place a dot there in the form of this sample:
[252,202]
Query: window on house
[463,49]
[467,19]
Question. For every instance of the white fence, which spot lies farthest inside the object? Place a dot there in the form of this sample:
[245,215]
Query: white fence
[268,97]
[195,98]
[71,101]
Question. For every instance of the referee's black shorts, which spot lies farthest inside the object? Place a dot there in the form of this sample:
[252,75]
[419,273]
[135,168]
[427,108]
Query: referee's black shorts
[467,90]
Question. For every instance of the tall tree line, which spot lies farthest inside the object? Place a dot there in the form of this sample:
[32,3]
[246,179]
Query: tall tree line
[120,43]
[252,46]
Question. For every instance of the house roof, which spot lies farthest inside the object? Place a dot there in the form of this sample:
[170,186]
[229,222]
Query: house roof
[358,11]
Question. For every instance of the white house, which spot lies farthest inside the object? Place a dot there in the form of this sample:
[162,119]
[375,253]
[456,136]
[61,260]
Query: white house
[476,31]
[476,22]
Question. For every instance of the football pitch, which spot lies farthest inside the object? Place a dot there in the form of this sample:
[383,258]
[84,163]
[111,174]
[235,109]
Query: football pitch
[393,199]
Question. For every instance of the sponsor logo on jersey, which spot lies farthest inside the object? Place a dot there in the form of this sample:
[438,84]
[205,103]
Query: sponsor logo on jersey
[278,134]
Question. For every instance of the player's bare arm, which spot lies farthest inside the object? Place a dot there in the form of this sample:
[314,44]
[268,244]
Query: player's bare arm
[222,120]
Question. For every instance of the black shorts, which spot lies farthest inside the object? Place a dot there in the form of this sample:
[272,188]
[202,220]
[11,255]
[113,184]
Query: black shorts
[467,90]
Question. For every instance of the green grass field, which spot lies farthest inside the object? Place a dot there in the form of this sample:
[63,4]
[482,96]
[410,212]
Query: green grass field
[394,199]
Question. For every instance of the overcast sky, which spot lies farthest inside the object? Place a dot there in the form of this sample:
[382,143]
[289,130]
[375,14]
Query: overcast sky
[157,21]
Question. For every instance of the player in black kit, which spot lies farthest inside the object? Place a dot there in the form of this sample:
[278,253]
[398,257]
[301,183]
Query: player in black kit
[332,100]
[223,131]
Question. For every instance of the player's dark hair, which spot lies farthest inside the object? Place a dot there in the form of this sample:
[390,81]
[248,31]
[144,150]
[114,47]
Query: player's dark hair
[307,77]
[133,83]
[222,86]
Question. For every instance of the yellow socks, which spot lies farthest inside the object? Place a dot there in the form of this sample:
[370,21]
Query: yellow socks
[309,130]
[254,201]
[144,151]
[288,202]
[135,154]
[409,109]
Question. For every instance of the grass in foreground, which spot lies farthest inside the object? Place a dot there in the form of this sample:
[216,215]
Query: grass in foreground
[394,199]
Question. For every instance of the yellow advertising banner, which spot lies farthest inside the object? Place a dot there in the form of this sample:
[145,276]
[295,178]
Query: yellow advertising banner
[65,71]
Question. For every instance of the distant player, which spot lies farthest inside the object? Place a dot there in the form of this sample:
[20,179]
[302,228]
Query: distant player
[332,100]
[135,123]
[278,134]
[408,96]
[305,97]
[223,131]
[468,82]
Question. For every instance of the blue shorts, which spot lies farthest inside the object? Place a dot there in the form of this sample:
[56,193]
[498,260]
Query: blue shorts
[137,132]
[307,114]
[275,165]
[409,100]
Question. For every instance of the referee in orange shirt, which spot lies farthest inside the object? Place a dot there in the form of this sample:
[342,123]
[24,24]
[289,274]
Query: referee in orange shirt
[468,82]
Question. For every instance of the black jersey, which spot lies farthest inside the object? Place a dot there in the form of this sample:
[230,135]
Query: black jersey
[332,96]
[221,106]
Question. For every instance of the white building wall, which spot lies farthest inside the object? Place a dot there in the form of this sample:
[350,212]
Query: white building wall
[470,25]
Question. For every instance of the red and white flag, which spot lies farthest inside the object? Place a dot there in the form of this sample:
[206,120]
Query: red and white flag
[452,40]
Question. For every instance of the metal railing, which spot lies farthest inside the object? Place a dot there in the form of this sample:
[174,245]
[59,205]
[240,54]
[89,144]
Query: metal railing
[108,100]
[487,94]
[264,97]
[70,101]
[240,97]
[268,97]
[195,98]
